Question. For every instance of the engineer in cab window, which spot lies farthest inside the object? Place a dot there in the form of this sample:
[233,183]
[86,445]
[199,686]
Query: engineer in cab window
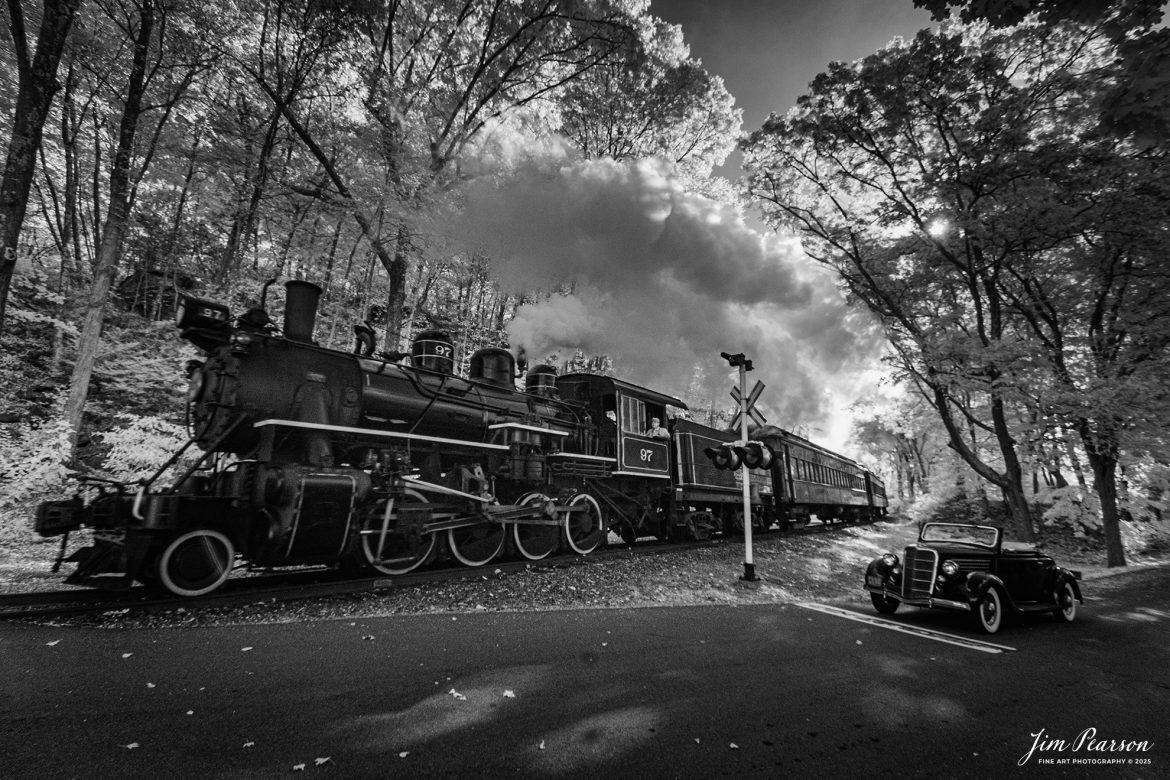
[656,431]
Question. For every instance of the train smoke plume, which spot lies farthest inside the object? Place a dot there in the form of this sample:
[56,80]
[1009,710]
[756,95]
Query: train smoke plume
[663,280]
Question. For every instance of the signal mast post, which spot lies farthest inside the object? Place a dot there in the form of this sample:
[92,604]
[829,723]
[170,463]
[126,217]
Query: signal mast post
[744,365]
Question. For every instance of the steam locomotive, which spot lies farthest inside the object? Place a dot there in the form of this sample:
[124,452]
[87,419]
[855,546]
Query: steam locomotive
[309,455]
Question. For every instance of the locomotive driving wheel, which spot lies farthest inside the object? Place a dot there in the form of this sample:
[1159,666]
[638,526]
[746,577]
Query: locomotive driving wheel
[196,563]
[535,542]
[384,547]
[475,545]
[584,528]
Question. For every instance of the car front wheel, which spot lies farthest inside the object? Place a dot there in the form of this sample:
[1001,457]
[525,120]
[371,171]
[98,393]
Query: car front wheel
[884,604]
[1066,602]
[989,612]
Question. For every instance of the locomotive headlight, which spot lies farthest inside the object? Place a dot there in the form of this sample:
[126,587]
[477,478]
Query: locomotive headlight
[950,568]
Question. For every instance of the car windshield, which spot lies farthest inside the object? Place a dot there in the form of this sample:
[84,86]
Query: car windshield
[982,535]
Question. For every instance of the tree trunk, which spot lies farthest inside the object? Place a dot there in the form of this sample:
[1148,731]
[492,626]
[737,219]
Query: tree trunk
[37,86]
[171,271]
[1105,476]
[396,298]
[1053,466]
[1010,480]
[244,221]
[116,217]
[1075,462]
[1012,484]
[395,265]
[920,463]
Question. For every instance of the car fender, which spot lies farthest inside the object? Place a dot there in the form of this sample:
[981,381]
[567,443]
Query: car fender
[979,582]
[1060,576]
[877,567]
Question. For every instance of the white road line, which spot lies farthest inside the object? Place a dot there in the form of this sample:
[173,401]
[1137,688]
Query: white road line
[925,633]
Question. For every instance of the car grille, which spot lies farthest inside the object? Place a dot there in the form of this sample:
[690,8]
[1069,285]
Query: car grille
[918,572]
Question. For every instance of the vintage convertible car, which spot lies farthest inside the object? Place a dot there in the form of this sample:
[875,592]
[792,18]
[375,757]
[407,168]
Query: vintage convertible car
[970,568]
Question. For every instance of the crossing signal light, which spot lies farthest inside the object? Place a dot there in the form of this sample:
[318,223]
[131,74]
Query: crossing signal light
[755,455]
[738,359]
[725,456]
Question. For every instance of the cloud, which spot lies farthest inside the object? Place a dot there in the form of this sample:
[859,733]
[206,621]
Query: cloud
[663,280]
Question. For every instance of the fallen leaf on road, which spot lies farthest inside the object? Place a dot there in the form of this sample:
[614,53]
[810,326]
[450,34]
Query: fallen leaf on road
[368,638]
[404,754]
[127,655]
[734,746]
[542,744]
[54,642]
[298,767]
[245,649]
[509,694]
[190,712]
[249,744]
[131,746]
[457,695]
[322,761]
[151,685]
[697,741]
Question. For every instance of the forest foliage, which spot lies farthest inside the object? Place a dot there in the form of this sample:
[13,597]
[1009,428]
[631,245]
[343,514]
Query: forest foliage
[962,187]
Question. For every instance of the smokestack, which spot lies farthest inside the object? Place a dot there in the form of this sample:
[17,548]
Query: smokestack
[300,310]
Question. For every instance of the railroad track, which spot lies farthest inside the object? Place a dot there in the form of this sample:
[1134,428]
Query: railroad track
[285,586]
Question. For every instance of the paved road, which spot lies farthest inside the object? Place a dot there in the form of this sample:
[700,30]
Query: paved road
[706,692]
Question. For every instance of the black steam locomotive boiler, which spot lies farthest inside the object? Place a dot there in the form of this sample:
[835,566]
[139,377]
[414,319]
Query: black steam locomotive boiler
[316,456]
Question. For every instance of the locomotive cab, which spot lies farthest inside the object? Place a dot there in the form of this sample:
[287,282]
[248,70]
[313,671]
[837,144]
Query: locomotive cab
[622,412]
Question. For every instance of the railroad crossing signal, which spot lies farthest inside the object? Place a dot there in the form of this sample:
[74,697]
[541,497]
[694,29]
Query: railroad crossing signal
[725,456]
[753,454]
[752,412]
[747,409]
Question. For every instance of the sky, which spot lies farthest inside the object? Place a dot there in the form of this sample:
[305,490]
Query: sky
[767,51]
[661,279]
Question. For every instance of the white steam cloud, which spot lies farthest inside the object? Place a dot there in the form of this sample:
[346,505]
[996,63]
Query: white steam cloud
[663,281]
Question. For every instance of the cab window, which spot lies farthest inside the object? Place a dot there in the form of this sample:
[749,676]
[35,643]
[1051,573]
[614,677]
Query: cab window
[633,414]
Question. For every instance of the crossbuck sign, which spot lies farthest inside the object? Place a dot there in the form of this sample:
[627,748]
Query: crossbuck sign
[752,412]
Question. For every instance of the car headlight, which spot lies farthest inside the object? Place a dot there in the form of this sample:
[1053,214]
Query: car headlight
[890,560]
[950,568]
